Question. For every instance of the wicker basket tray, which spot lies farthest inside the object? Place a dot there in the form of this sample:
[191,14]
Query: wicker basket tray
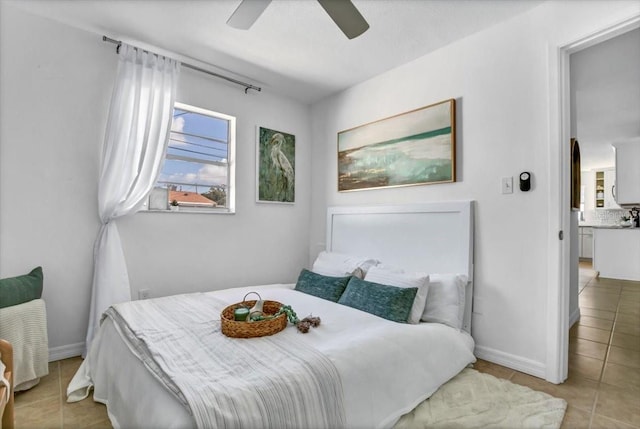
[237,329]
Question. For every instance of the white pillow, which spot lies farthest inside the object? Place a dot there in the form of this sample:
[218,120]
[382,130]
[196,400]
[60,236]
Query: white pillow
[339,265]
[445,303]
[398,278]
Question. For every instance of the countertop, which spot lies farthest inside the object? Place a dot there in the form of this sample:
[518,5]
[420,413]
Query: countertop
[604,226]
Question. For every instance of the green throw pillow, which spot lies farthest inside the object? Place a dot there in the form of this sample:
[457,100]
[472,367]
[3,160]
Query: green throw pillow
[389,302]
[21,289]
[325,287]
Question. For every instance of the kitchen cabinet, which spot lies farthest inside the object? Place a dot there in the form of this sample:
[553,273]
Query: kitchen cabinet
[585,242]
[616,252]
[610,189]
[599,189]
[606,189]
[627,173]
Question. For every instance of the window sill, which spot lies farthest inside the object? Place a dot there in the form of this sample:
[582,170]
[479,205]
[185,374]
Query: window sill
[191,211]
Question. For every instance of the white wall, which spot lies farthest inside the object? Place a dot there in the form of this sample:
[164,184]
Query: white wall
[55,86]
[588,179]
[500,79]
[261,243]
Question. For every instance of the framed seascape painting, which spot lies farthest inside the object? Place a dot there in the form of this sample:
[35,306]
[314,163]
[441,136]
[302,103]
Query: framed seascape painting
[275,166]
[412,148]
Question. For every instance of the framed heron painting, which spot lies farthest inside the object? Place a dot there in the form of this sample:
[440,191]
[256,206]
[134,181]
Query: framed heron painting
[412,148]
[275,166]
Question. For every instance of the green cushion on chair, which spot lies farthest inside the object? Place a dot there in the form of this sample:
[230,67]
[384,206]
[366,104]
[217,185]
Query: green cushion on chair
[21,289]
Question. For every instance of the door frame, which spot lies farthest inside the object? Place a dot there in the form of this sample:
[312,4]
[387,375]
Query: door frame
[557,354]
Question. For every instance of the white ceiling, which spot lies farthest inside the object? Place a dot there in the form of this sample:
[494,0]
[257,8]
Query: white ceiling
[294,48]
[605,85]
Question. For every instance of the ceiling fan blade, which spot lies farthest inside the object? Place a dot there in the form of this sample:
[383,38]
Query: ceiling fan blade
[247,13]
[346,17]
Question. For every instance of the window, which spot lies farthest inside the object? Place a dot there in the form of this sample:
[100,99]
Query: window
[198,170]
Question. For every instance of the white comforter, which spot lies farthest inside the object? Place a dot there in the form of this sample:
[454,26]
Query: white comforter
[386,368]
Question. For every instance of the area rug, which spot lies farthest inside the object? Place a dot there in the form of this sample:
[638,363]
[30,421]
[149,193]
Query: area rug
[476,400]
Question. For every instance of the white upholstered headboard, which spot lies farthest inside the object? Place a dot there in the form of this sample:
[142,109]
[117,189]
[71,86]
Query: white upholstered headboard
[427,237]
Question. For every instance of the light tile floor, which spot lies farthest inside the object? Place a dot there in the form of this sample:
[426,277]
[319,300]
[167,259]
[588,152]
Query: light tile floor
[603,388]
[45,406]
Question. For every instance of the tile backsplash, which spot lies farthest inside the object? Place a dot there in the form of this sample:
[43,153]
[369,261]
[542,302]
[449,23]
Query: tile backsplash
[604,217]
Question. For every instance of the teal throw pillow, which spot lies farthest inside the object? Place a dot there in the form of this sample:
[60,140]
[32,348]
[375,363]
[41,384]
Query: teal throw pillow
[21,289]
[325,287]
[389,302]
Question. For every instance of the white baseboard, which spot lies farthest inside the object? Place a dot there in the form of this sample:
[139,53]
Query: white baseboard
[575,316]
[528,366]
[64,352]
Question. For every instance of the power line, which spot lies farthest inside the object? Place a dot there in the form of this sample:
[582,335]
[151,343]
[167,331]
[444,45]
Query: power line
[197,144]
[196,152]
[213,139]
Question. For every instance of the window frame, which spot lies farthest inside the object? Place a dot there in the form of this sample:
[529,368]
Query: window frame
[230,164]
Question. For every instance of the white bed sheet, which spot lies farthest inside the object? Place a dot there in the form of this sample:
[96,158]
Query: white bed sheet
[381,380]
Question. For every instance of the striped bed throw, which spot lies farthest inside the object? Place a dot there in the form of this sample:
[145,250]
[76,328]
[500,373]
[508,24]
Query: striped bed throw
[269,382]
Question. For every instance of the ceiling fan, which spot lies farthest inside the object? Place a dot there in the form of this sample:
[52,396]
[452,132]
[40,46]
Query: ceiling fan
[343,13]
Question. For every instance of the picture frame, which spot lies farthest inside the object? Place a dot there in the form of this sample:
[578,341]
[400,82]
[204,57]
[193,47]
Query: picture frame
[275,166]
[417,147]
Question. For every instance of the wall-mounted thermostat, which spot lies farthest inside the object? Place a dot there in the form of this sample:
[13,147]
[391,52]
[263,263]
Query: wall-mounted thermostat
[525,181]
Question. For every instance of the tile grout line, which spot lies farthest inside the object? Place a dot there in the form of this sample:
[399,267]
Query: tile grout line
[606,355]
[60,415]
[592,413]
[61,401]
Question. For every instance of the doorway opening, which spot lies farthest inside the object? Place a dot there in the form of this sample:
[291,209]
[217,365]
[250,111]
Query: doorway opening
[573,277]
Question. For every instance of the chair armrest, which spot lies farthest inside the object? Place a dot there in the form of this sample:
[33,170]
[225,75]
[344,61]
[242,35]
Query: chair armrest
[6,407]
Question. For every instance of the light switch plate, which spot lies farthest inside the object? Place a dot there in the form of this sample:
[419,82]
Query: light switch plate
[507,185]
[478,305]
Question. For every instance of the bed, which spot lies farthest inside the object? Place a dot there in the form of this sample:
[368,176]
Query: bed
[163,363]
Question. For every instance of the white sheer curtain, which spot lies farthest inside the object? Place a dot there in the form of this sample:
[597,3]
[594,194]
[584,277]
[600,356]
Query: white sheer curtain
[135,143]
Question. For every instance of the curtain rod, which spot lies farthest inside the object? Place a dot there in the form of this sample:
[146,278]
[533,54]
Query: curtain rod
[247,86]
